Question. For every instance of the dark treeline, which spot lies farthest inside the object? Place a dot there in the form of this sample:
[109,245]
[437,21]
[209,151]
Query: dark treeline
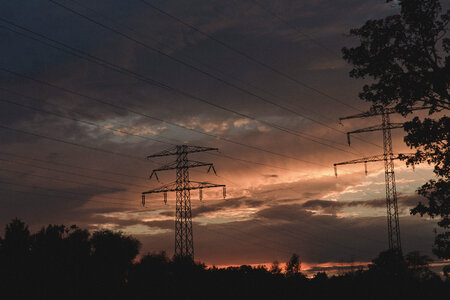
[60,262]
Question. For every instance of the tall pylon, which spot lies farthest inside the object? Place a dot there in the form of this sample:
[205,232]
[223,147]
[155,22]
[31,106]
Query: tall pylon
[388,157]
[184,236]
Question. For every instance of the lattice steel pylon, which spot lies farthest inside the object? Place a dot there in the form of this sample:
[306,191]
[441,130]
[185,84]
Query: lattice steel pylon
[388,157]
[184,236]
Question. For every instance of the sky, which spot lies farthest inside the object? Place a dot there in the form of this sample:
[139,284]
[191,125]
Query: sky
[88,89]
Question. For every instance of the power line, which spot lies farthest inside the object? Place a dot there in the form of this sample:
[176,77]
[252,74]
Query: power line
[332,228]
[71,143]
[102,101]
[241,53]
[63,180]
[72,166]
[82,121]
[264,241]
[296,235]
[153,82]
[97,178]
[207,74]
[55,196]
[74,174]
[160,52]
[71,181]
[248,242]
[121,131]
[196,69]
[71,193]
[102,127]
[58,106]
[124,174]
[71,173]
[109,197]
[110,19]
[264,245]
[250,161]
[89,169]
[292,26]
[67,173]
[297,231]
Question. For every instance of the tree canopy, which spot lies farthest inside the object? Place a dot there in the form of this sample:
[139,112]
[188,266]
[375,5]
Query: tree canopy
[406,57]
[66,262]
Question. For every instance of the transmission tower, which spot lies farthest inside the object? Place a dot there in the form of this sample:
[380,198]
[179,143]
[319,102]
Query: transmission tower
[184,237]
[388,157]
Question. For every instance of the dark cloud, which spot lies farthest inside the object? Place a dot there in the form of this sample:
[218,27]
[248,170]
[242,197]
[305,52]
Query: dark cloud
[36,204]
[271,175]
[327,206]
[315,238]
[223,205]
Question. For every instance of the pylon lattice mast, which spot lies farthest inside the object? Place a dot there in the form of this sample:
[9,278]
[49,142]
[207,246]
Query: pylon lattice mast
[184,237]
[389,174]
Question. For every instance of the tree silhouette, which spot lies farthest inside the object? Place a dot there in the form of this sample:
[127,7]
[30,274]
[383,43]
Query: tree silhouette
[60,255]
[15,258]
[293,265]
[16,243]
[407,57]
[389,263]
[112,257]
[418,265]
[151,277]
[61,262]
[275,268]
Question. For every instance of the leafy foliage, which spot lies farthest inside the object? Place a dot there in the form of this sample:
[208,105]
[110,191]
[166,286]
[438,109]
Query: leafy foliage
[407,57]
[402,53]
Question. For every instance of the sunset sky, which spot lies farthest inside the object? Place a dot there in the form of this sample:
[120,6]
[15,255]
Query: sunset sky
[88,89]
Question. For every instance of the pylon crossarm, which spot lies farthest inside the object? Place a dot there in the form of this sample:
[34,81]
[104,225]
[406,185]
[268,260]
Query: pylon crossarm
[362,160]
[374,128]
[168,152]
[185,149]
[195,164]
[171,187]
[205,185]
[194,149]
[365,160]
[373,159]
[170,166]
[374,111]
[174,166]
[195,185]
[377,128]
[378,110]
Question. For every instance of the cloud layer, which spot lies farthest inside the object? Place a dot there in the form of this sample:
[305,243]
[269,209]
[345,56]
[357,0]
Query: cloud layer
[75,133]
